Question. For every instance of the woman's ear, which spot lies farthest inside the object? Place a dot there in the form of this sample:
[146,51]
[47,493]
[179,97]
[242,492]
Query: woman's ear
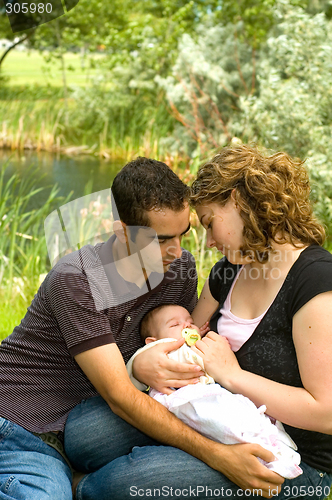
[234,198]
[120,230]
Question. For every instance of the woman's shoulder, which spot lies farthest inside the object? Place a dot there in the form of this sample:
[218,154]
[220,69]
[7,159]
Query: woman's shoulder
[310,275]
[223,271]
[221,276]
[313,258]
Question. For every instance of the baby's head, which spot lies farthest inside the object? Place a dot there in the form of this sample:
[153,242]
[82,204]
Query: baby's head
[166,321]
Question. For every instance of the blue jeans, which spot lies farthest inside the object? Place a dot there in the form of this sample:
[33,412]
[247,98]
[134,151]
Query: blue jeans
[29,468]
[124,463]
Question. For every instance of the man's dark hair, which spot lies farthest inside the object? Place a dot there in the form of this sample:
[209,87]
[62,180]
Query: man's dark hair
[145,184]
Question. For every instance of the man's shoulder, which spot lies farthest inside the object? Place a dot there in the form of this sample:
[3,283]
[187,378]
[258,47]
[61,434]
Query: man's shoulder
[71,270]
[187,259]
[183,268]
[77,261]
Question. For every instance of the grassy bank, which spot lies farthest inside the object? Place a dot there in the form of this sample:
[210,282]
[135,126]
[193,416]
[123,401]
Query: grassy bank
[90,115]
[40,118]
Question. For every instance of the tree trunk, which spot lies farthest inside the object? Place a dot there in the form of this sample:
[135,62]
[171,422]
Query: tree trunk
[21,40]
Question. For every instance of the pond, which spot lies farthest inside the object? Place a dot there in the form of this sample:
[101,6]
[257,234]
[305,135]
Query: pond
[69,173]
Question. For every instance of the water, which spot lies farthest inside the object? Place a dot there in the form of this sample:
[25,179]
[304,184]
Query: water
[70,174]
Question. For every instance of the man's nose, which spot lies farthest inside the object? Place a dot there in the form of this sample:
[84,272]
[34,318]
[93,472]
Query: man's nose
[175,249]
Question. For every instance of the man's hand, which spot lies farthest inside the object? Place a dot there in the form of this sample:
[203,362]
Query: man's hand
[154,368]
[239,463]
[105,369]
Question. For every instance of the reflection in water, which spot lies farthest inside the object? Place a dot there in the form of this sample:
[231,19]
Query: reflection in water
[70,174]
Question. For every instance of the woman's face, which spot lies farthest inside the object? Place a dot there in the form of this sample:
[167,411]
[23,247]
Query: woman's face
[224,229]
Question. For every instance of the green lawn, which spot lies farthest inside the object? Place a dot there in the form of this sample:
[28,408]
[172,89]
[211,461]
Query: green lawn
[29,67]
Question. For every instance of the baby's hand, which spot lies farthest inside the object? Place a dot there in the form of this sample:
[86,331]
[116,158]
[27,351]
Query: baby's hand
[227,341]
[204,329]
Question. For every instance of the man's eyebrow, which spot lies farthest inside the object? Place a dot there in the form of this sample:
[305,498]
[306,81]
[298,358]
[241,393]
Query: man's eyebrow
[170,237]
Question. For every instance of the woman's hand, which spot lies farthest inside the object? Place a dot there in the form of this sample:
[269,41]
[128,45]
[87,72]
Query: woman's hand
[219,360]
[154,368]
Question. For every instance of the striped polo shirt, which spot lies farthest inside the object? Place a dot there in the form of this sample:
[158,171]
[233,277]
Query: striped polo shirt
[40,381]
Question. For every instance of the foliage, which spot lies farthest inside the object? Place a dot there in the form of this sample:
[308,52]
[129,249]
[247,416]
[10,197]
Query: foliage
[208,78]
[278,96]
[255,18]
[293,110]
[115,114]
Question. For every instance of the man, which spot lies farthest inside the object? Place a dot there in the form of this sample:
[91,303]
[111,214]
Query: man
[69,348]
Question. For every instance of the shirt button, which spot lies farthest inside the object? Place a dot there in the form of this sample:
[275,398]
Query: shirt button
[128,318]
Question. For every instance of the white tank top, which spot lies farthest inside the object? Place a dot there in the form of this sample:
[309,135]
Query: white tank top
[236,330]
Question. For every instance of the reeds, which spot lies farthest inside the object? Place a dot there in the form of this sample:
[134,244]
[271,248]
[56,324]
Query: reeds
[23,253]
[30,121]
[195,242]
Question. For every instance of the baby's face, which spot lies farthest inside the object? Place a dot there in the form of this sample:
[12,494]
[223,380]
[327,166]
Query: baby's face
[170,321]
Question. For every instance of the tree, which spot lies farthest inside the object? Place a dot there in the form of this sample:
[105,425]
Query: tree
[209,77]
[293,110]
[6,32]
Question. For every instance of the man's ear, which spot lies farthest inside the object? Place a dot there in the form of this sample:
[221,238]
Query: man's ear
[120,230]
[148,340]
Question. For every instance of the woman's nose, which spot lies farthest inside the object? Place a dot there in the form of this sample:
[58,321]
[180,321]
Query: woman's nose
[210,242]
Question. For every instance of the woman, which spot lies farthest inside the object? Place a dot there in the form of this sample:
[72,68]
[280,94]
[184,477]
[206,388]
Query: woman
[271,297]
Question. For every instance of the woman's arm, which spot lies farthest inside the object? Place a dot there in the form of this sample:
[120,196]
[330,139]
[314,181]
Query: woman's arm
[306,408]
[205,307]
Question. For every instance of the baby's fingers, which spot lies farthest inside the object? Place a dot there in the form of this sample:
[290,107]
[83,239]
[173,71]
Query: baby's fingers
[204,329]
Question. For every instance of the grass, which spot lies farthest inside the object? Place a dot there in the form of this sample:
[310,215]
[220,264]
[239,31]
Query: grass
[29,67]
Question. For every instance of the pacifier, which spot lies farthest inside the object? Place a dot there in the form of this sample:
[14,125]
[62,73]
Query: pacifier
[190,335]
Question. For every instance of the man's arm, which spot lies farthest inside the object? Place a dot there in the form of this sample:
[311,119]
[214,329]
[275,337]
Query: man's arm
[106,370]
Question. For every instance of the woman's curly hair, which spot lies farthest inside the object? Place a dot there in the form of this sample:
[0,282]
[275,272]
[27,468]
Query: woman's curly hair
[271,191]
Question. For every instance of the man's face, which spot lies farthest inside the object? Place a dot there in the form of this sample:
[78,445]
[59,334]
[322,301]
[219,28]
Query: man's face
[169,226]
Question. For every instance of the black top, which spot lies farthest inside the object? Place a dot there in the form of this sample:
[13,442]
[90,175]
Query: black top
[270,350]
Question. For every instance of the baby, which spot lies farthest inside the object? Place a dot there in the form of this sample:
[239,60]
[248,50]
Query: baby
[207,407]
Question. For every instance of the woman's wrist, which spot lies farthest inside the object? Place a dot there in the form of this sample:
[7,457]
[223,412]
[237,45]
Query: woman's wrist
[233,380]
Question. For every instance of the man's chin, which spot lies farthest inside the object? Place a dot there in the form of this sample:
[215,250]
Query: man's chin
[166,266]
